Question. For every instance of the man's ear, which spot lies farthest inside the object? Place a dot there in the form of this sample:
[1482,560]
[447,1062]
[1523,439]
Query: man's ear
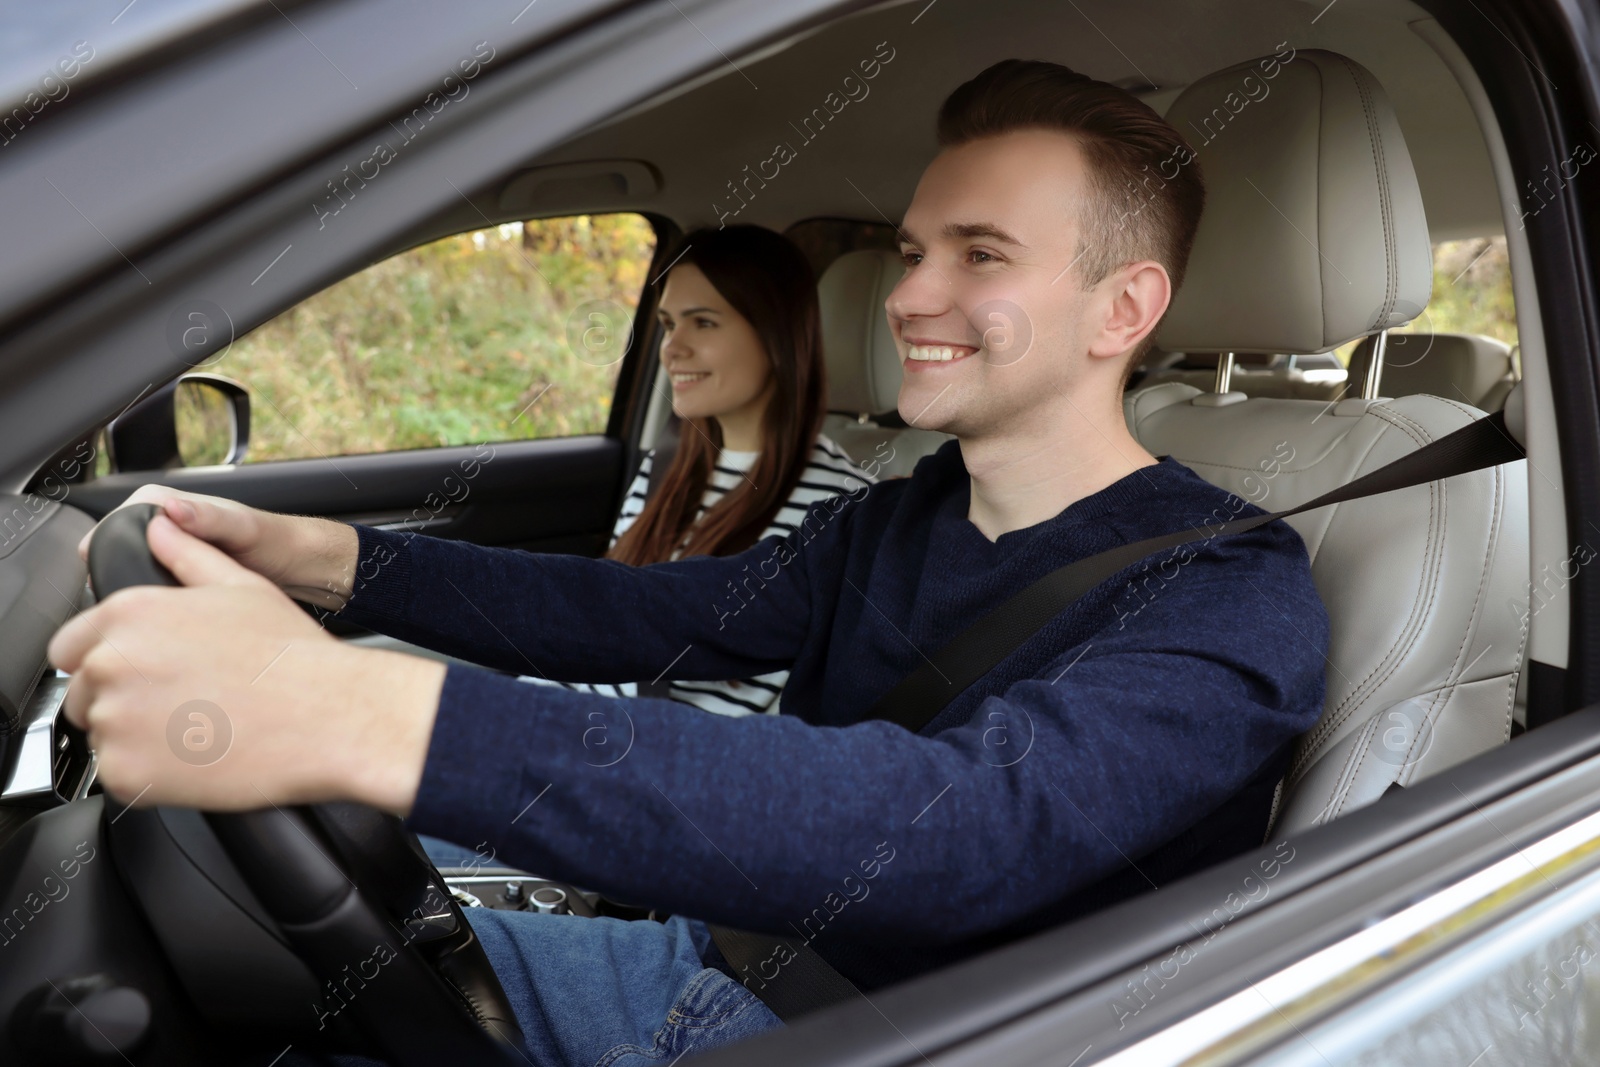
[1133,299]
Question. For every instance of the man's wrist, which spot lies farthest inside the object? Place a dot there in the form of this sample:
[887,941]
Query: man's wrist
[324,554]
[381,741]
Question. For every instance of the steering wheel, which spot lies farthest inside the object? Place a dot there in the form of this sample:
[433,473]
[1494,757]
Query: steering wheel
[339,879]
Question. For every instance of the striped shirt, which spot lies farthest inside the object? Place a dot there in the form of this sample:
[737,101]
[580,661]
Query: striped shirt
[828,472]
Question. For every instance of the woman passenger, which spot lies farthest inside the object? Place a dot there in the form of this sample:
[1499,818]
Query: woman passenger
[742,353]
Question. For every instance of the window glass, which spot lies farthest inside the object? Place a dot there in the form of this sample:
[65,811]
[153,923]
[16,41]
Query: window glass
[503,334]
[1471,293]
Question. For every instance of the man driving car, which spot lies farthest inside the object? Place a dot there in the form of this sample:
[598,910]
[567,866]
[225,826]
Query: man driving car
[1134,738]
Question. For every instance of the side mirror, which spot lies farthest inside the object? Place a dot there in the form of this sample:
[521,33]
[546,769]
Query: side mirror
[212,417]
[197,420]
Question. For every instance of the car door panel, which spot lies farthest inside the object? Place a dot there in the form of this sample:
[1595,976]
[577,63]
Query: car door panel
[551,495]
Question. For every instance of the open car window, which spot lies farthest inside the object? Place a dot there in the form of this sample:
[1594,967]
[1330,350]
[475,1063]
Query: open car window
[509,333]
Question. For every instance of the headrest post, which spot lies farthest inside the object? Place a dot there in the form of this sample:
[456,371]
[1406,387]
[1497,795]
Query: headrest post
[1369,386]
[1224,373]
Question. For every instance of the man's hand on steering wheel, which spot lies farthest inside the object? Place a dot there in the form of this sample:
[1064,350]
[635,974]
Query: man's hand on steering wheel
[309,558]
[311,719]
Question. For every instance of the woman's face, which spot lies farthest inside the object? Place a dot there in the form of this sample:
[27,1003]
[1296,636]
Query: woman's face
[717,364]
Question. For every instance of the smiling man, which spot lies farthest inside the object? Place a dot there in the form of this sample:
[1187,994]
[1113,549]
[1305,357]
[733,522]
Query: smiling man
[1109,752]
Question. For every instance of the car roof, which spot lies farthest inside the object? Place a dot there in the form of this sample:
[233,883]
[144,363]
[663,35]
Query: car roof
[865,162]
[116,35]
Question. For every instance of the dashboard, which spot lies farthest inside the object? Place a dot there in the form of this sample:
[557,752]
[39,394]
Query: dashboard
[44,761]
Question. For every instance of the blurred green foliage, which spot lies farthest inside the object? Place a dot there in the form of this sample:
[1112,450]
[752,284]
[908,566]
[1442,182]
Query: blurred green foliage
[204,419]
[471,338]
[1471,291]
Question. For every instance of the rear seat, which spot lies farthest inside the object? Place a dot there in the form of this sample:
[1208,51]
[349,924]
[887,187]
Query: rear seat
[1464,367]
[1285,377]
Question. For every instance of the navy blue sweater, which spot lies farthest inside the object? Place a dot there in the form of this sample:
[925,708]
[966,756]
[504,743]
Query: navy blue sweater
[1068,777]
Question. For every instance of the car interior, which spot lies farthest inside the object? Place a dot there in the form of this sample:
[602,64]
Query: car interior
[1423,646]
[1342,143]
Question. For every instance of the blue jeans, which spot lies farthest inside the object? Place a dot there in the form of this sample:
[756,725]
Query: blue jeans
[609,992]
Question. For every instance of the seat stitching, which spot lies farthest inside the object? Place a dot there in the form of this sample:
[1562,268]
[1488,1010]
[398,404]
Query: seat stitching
[1477,600]
[1437,696]
[1385,206]
[1382,412]
[1347,774]
[1391,247]
[1465,409]
[1430,717]
[1442,694]
[1511,704]
[1442,686]
[1516,663]
[1496,528]
[1281,470]
[1456,681]
[1362,693]
[1334,509]
[1359,692]
[1516,671]
[1364,750]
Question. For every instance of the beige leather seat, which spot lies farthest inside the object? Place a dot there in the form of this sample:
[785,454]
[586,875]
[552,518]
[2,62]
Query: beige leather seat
[1457,366]
[1314,236]
[863,365]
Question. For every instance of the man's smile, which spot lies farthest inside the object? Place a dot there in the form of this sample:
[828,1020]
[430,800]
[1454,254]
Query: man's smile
[919,356]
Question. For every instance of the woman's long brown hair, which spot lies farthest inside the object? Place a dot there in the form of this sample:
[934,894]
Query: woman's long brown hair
[766,279]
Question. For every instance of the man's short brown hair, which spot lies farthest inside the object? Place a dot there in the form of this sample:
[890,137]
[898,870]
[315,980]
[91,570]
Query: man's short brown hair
[1146,191]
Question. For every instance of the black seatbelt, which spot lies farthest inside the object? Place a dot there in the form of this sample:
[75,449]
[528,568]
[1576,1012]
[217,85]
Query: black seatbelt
[808,981]
[924,692]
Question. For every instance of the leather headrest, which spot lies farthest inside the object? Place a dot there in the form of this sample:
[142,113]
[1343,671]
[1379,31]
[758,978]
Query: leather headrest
[1456,366]
[1313,233]
[863,365]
